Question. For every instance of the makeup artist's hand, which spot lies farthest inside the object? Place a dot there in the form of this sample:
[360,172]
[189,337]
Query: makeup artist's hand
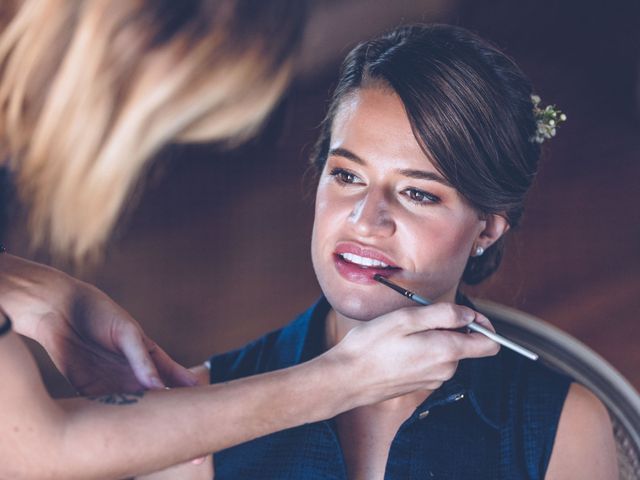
[96,344]
[414,348]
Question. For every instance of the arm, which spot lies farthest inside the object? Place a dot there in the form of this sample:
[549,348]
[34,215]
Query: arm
[82,439]
[110,436]
[584,446]
[200,469]
[185,471]
[97,345]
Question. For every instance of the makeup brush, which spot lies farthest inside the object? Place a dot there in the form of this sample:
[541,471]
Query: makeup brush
[472,326]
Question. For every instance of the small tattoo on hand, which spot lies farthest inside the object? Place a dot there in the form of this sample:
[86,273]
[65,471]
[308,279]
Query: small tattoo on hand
[118,398]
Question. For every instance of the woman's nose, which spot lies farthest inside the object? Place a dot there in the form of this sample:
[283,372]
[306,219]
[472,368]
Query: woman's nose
[371,217]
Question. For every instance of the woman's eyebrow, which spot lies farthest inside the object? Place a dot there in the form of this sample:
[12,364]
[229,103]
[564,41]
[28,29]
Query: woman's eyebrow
[348,154]
[424,175]
[411,173]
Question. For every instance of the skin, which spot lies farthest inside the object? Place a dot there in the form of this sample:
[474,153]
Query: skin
[584,447]
[41,438]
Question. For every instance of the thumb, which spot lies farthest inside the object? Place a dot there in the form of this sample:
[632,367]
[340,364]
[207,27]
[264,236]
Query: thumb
[437,316]
[174,374]
[134,346]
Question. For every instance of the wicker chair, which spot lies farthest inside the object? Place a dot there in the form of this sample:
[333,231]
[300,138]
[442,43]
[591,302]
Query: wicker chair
[561,351]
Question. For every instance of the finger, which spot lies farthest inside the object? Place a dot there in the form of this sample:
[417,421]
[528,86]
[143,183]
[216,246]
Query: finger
[132,344]
[484,321]
[446,346]
[437,316]
[474,345]
[174,374]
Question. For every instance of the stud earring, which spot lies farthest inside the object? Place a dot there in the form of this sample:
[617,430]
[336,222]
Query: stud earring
[479,251]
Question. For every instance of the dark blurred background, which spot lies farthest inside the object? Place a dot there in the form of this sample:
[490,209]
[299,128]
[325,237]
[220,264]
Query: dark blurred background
[215,251]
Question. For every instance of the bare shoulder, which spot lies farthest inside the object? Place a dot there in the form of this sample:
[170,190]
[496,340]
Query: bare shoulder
[584,447]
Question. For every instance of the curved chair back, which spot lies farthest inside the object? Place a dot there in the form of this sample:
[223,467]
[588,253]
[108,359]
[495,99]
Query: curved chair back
[566,354]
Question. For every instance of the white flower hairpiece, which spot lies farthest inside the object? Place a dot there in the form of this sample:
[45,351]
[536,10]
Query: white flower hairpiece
[547,120]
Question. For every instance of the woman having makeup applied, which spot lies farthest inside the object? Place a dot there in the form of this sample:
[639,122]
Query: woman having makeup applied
[429,147]
[89,91]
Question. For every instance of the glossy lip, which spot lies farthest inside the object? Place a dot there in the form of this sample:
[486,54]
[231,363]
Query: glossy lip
[368,252]
[362,275]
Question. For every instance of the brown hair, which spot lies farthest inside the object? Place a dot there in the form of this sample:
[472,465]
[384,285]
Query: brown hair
[470,109]
[91,89]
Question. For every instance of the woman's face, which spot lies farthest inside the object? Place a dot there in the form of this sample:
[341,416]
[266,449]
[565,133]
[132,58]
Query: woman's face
[382,207]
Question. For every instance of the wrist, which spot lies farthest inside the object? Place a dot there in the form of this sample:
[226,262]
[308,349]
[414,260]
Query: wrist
[338,387]
[315,392]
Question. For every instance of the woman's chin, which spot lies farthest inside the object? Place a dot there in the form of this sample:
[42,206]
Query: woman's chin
[364,308]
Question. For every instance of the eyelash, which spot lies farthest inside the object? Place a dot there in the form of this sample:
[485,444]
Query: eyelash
[340,174]
[409,192]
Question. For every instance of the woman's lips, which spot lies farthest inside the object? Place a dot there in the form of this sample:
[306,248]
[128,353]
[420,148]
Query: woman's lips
[360,273]
[368,253]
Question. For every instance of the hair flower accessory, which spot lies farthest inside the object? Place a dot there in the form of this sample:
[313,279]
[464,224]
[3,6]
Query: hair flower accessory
[547,120]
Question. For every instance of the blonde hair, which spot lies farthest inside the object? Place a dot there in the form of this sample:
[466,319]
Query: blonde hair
[91,89]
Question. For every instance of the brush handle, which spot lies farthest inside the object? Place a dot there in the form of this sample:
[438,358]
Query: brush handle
[472,326]
[484,331]
[418,299]
[503,341]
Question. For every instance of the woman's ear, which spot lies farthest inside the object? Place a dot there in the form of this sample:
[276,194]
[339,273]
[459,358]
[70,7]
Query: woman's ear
[495,226]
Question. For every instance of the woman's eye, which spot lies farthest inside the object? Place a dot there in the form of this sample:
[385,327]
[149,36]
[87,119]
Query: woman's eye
[344,176]
[420,196]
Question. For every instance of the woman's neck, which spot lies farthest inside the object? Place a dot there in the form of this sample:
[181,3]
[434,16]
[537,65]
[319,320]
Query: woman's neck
[366,433]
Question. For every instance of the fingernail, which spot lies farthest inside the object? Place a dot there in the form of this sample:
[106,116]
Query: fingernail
[192,380]
[156,382]
[469,316]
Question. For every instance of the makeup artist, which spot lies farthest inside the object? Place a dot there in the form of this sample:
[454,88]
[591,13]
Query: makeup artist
[89,91]
[424,160]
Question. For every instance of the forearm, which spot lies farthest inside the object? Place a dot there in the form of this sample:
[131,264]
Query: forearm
[89,439]
[178,425]
[184,471]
